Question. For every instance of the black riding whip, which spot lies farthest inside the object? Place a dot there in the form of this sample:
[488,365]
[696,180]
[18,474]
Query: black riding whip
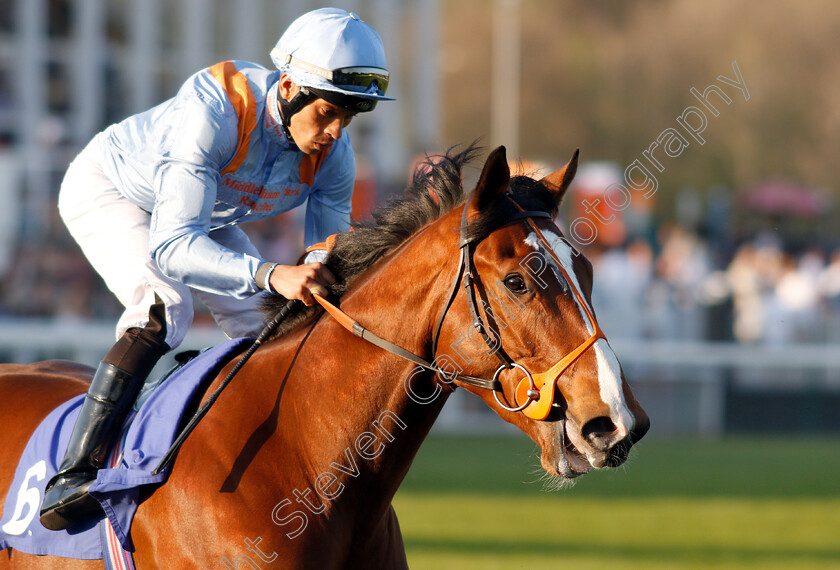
[267,331]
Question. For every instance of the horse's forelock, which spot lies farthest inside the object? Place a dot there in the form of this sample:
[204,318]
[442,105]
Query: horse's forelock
[435,190]
[529,193]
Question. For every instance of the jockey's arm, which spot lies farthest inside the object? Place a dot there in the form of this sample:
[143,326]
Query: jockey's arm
[185,196]
[185,183]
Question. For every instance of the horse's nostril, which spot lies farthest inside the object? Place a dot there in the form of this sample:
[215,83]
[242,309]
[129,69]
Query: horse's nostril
[596,430]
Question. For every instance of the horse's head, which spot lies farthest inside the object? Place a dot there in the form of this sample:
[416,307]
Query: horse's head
[516,325]
[527,320]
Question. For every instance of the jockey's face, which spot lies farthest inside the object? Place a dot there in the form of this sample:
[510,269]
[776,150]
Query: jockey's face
[318,124]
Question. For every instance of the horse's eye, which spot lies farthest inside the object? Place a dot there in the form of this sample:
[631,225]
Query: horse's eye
[516,284]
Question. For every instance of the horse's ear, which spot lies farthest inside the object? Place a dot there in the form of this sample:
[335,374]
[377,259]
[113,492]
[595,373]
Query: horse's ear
[558,181]
[494,180]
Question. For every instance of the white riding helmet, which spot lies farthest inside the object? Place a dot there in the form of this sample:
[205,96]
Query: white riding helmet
[337,56]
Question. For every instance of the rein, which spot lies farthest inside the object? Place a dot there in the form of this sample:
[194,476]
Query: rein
[360,331]
[465,274]
[267,331]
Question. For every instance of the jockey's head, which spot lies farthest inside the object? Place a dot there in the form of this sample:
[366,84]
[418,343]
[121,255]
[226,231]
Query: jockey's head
[333,67]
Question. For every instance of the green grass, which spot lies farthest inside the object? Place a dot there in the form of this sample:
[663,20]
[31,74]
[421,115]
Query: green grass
[477,502]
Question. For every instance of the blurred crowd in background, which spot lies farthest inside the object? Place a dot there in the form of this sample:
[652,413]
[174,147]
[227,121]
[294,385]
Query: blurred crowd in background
[689,280]
[680,288]
[753,265]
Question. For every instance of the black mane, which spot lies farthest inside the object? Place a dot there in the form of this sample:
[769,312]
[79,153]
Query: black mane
[436,189]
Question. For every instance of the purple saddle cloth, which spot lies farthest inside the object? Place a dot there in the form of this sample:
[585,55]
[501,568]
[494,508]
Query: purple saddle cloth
[143,444]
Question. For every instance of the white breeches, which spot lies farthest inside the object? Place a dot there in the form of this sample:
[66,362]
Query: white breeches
[114,236]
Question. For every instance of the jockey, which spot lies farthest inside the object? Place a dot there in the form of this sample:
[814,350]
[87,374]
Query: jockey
[154,202]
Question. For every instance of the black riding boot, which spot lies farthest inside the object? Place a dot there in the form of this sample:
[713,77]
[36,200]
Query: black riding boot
[112,392]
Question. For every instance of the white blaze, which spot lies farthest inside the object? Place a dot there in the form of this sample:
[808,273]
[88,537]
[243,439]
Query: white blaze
[609,371]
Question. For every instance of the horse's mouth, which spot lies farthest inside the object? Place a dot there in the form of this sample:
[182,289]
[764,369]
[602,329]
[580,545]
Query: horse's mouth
[576,458]
[572,462]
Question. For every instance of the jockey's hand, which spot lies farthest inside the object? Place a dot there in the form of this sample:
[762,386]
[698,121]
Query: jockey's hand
[301,281]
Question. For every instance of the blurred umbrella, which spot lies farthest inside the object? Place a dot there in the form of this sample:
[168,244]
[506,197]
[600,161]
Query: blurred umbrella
[781,198]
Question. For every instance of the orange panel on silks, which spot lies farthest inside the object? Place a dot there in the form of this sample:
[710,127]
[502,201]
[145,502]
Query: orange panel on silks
[242,98]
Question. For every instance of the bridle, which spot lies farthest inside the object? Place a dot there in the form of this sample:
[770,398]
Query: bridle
[535,391]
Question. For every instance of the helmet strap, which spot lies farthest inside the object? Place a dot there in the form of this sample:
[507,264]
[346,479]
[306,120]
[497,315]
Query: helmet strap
[288,108]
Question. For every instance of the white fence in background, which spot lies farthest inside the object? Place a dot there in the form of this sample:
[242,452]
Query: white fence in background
[26,340]
[680,384]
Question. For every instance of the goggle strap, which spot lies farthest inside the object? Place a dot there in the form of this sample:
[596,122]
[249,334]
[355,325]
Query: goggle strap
[327,74]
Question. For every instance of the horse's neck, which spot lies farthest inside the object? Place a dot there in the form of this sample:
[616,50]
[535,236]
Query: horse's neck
[400,300]
[346,426]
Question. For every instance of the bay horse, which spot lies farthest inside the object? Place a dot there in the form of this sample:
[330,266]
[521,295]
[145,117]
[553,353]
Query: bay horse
[296,464]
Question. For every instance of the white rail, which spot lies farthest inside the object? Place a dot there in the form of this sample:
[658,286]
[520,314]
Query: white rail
[25,341]
[681,384]
[720,354]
